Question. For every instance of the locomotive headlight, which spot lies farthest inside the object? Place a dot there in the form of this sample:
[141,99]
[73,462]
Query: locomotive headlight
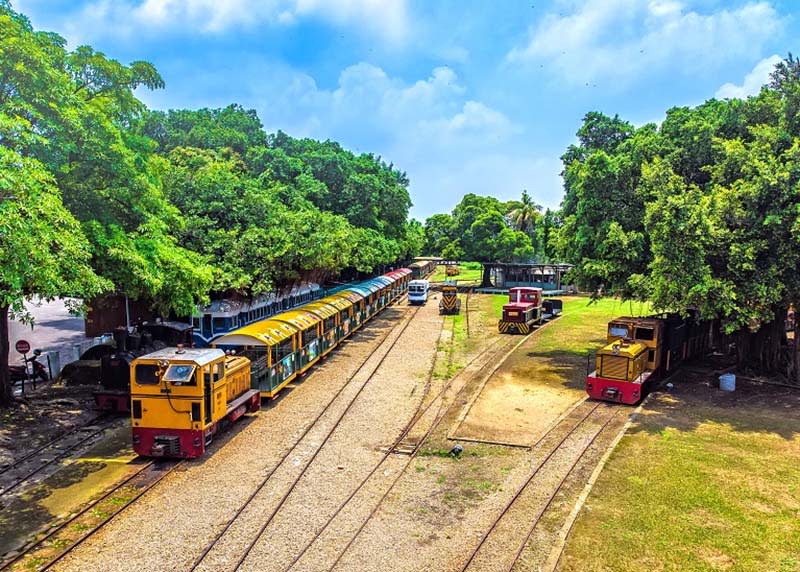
[137,439]
[197,441]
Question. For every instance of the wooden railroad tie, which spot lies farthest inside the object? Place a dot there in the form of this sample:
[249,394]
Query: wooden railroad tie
[402,448]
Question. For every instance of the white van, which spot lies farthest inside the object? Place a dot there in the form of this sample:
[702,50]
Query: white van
[418,292]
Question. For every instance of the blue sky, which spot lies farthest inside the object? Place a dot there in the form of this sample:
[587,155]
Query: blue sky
[464,95]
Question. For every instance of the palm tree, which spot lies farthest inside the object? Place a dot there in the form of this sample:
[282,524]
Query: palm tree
[524,216]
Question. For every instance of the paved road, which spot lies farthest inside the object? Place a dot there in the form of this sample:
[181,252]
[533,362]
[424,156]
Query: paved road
[54,329]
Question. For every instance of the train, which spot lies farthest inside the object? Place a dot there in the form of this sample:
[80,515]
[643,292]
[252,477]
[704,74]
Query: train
[181,397]
[226,315]
[527,308]
[640,351]
[450,303]
[418,292]
[423,267]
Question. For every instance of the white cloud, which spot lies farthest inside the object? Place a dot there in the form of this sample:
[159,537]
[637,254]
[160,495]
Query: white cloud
[448,142]
[753,81]
[385,18]
[619,39]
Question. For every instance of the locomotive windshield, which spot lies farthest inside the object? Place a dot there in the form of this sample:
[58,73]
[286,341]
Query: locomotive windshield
[621,331]
[179,374]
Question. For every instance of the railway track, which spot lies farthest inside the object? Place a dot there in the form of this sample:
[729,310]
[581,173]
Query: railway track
[198,562]
[415,447]
[483,557]
[416,417]
[413,453]
[466,309]
[65,536]
[33,463]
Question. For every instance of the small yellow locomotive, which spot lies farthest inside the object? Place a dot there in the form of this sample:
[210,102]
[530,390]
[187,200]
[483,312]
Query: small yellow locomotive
[181,397]
[450,303]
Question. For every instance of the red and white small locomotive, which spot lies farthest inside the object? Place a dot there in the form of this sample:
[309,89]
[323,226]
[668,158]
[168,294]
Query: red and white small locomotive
[526,309]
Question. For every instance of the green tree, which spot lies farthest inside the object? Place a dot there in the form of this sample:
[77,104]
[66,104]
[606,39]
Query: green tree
[525,216]
[72,111]
[42,250]
[701,213]
[439,232]
[478,230]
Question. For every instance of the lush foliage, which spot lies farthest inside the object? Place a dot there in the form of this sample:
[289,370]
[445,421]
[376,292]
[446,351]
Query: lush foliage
[98,193]
[488,230]
[268,210]
[701,212]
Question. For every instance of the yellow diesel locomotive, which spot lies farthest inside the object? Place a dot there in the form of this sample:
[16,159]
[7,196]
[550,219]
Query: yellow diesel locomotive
[181,397]
[450,303]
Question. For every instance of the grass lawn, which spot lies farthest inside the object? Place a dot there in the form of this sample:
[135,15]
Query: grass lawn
[469,275]
[704,481]
[582,328]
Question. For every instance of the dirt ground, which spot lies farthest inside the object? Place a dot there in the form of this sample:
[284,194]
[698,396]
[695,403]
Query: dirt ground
[41,416]
[541,380]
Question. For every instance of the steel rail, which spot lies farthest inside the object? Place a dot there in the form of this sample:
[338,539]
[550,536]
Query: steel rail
[528,480]
[325,440]
[213,542]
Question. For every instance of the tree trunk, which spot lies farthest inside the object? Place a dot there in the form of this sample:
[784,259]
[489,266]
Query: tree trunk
[761,350]
[486,281]
[796,348]
[6,396]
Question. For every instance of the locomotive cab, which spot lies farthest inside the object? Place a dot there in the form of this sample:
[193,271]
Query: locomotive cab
[621,370]
[646,331]
[181,397]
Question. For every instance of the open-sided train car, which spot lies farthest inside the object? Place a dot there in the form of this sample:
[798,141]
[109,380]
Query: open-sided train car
[288,344]
[639,351]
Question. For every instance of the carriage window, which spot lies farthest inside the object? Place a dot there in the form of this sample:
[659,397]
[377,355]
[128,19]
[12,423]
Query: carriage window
[147,374]
[309,335]
[644,334]
[219,325]
[180,374]
[282,350]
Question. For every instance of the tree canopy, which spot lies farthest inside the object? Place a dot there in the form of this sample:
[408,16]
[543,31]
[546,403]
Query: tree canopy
[701,212]
[100,194]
